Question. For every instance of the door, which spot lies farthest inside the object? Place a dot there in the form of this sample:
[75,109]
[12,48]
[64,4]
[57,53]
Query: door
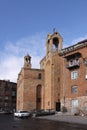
[38,97]
[58,106]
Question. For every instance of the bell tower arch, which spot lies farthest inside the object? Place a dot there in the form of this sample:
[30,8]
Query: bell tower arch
[27,61]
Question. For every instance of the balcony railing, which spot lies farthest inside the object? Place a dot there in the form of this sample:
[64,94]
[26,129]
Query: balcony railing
[72,65]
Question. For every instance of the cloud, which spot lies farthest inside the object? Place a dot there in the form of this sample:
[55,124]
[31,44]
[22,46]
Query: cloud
[79,39]
[12,56]
[10,67]
[76,41]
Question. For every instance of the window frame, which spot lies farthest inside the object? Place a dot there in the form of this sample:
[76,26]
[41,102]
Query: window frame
[74,74]
[74,89]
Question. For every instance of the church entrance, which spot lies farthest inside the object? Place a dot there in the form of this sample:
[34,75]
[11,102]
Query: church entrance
[58,106]
[38,97]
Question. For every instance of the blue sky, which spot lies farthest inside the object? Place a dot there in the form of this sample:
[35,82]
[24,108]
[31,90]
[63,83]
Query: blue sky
[24,25]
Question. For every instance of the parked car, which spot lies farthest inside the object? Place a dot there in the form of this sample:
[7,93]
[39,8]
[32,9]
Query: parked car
[44,112]
[22,113]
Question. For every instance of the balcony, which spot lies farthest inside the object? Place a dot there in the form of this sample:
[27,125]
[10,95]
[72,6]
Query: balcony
[73,64]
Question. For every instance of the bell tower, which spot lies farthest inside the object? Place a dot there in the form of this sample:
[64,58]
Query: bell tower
[27,61]
[52,71]
[53,43]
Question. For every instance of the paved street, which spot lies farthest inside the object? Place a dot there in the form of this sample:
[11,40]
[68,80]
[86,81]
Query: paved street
[8,122]
[67,118]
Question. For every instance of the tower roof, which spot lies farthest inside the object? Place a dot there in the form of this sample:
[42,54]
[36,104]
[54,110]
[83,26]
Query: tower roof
[27,56]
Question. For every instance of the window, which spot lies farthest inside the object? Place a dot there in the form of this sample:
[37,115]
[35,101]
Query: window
[48,103]
[6,97]
[39,76]
[74,74]
[74,62]
[77,61]
[70,62]
[86,76]
[6,104]
[74,103]
[13,93]
[74,89]
[85,92]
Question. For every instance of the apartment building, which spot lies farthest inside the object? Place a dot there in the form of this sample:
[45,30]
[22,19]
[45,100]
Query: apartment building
[7,95]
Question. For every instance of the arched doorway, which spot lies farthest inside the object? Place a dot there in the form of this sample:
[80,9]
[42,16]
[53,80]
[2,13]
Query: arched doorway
[38,97]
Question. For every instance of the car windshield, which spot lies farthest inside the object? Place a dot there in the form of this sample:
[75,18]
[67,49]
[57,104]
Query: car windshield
[23,111]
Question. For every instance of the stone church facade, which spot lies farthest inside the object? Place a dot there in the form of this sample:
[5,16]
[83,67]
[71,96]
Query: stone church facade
[60,81]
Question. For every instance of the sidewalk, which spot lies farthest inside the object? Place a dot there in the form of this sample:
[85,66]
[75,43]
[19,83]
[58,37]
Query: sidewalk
[66,118]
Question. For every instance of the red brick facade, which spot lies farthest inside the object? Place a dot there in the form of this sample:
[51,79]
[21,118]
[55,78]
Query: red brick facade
[74,76]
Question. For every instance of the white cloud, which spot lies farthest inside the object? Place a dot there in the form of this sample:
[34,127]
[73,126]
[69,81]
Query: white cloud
[12,57]
[76,41]
[10,67]
[79,39]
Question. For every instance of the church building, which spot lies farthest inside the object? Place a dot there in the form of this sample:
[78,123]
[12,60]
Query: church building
[61,80]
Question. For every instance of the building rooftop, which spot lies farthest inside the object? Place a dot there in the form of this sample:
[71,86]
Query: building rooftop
[77,46]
